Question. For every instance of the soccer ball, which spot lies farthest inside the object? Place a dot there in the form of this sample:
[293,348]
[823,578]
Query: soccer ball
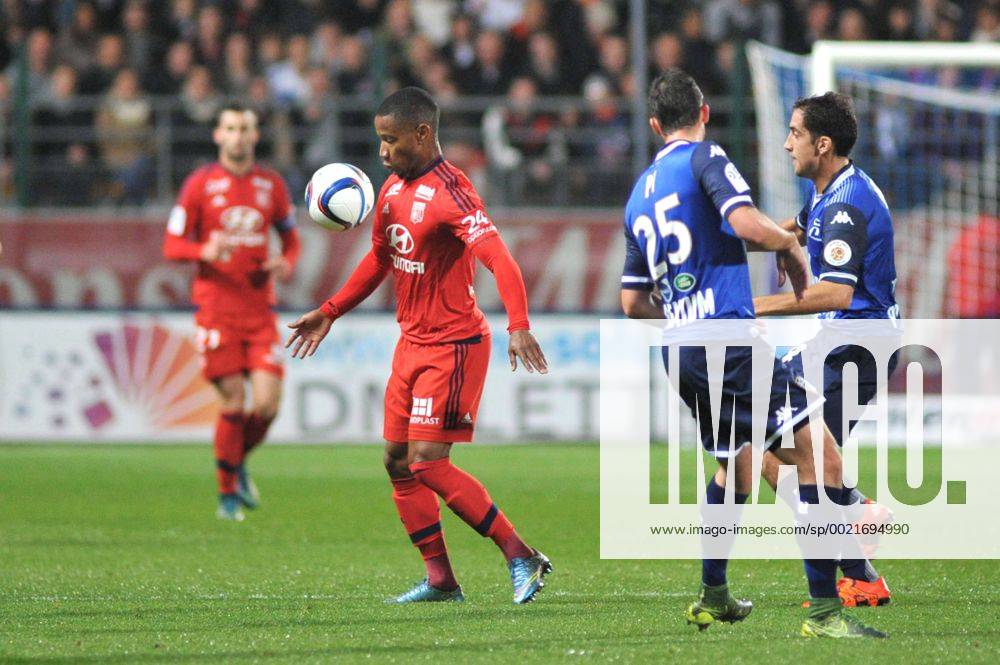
[339,196]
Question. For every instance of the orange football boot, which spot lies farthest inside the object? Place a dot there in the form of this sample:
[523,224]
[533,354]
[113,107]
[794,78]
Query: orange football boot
[858,593]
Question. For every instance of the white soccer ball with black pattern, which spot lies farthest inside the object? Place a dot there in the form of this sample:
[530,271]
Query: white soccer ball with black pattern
[339,196]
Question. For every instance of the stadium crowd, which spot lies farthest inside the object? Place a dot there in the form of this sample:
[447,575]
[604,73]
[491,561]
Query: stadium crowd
[117,86]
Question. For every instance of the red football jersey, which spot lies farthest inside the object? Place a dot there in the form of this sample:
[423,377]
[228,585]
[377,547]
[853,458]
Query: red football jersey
[426,227]
[245,207]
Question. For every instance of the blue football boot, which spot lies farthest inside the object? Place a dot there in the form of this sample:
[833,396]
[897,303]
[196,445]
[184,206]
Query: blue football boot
[229,508]
[423,592]
[246,489]
[528,576]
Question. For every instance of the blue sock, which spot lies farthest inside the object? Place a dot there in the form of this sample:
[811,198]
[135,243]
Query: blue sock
[713,571]
[821,573]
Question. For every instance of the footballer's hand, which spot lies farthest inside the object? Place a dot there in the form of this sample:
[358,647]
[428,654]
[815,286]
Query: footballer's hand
[217,248]
[523,345]
[792,264]
[307,332]
[279,267]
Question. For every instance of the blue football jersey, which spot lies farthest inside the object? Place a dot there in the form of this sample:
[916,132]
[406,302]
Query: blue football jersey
[677,239]
[850,241]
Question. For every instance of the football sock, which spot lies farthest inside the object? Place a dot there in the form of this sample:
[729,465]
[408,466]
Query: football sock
[228,449]
[859,569]
[254,432]
[713,571]
[421,515]
[821,573]
[468,499]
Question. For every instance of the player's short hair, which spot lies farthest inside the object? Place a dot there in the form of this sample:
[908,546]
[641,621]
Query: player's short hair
[411,105]
[232,106]
[675,100]
[830,114]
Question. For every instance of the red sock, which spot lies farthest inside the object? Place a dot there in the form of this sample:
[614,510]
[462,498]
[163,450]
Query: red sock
[421,515]
[228,449]
[254,431]
[468,499]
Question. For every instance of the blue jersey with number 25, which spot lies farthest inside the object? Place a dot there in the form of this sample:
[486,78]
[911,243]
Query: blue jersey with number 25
[677,239]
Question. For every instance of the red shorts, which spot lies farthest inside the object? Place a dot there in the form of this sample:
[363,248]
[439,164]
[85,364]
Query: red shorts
[230,345]
[434,390]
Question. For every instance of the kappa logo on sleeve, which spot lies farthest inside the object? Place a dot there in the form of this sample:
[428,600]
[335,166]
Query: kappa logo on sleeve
[842,218]
[716,151]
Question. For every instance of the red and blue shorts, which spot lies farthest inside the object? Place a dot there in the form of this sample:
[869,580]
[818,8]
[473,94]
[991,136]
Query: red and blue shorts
[434,390]
[238,345]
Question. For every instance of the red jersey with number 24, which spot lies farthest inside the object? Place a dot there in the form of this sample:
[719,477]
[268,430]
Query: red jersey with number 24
[426,228]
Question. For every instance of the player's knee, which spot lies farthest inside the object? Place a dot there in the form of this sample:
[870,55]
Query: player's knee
[396,467]
[267,410]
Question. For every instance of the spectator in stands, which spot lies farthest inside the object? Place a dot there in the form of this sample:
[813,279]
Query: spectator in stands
[697,53]
[208,41]
[987,23]
[614,62]
[460,52]
[287,78]
[354,76]
[608,170]
[356,15]
[253,17]
[184,19]
[169,78]
[110,59]
[394,34]
[238,67]
[315,119]
[544,66]
[269,51]
[524,146]
[491,75]
[495,15]
[743,19]
[819,22]
[59,119]
[666,53]
[193,121]
[899,25]
[39,51]
[77,44]
[851,26]
[432,19]
[124,132]
[143,46]
[420,53]
[324,45]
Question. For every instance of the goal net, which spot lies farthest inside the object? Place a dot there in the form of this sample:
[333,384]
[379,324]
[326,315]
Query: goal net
[929,121]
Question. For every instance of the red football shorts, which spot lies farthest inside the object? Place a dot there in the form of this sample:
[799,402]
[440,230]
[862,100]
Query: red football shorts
[230,345]
[434,390]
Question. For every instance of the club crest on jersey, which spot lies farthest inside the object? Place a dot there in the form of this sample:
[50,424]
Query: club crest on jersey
[837,253]
[385,208]
[263,198]
[425,192]
[842,218]
[218,201]
[399,238]
[395,189]
[417,211]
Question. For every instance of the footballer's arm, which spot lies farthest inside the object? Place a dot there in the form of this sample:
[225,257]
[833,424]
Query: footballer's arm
[638,304]
[762,234]
[823,296]
[492,252]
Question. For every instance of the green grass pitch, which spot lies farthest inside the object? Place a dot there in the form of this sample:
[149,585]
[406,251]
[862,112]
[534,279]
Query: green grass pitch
[113,554]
